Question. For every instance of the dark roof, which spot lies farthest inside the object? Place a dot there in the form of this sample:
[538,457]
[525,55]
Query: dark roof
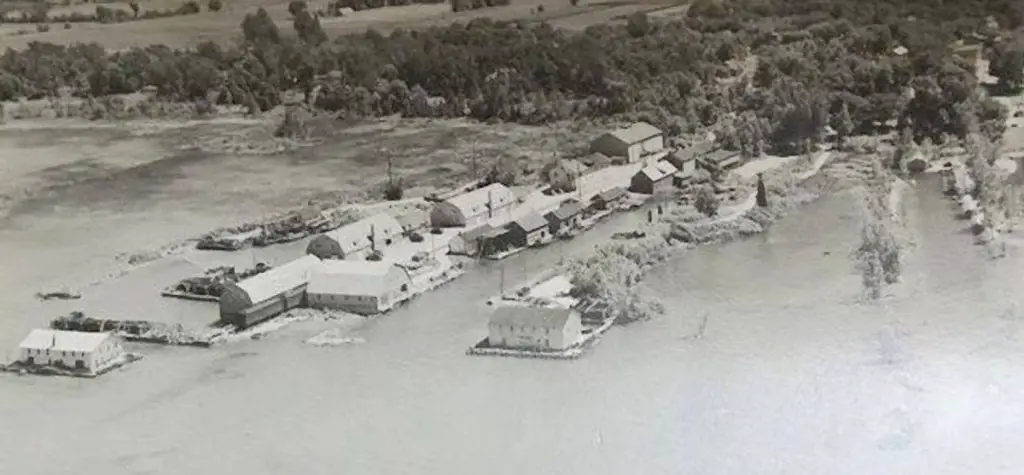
[567,210]
[611,194]
[530,222]
[545,317]
[477,232]
[720,155]
[692,152]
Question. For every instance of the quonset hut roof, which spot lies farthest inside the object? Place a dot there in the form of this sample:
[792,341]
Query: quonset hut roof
[279,279]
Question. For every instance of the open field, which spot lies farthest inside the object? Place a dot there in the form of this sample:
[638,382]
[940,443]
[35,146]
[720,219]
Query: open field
[223,26]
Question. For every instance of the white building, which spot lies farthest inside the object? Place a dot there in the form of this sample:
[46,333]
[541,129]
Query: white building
[266,295]
[474,208]
[380,230]
[633,143]
[89,352]
[363,287]
[534,328]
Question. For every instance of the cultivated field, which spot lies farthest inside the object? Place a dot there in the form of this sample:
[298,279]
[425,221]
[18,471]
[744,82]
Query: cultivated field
[223,26]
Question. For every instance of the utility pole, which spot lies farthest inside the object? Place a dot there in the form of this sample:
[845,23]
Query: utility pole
[373,238]
[472,158]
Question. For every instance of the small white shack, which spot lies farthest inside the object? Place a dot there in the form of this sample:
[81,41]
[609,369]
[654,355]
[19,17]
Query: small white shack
[88,352]
[266,295]
[474,208]
[363,287]
[534,328]
[377,231]
[633,142]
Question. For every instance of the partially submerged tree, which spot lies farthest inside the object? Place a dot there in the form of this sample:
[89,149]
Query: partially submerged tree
[706,201]
[878,257]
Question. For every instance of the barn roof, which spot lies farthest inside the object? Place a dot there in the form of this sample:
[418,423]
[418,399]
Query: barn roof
[61,340]
[279,279]
[636,132]
[351,278]
[611,194]
[545,317]
[531,221]
[475,202]
[355,236]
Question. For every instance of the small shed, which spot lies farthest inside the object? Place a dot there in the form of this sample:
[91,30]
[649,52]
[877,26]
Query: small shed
[361,287]
[528,230]
[685,160]
[264,296]
[87,352]
[632,142]
[654,179]
[534,328]
[473,208]
[566,216]
[479,241]
[607,199]
[719,160]
[376,231]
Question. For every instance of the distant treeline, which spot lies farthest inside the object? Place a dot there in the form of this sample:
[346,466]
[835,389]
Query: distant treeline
[457,5]
[819,63]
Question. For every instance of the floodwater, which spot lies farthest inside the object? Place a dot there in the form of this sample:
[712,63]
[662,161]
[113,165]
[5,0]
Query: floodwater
[793,375]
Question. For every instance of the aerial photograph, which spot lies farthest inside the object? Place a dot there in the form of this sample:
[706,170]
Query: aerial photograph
[508,237]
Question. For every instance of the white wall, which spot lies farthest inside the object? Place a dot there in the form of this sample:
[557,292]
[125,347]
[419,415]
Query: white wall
[104,355]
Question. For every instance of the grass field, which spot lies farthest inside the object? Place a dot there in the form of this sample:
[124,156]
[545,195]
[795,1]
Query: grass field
[223,26]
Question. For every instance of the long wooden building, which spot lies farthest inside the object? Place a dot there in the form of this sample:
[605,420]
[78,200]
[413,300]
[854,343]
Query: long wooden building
[267,295]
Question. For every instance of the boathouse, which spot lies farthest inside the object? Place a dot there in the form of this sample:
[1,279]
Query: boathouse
[654,179]
[362,287]
[567,216]
[528,230]
[534,328]
[609,198]
[374,232]
[474,208]
[720,160]
[88,352]
[631,143]
[479,241]
[263,296]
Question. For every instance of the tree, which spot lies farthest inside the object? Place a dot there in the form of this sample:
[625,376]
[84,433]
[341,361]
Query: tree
[707,201]
[215,5]
[762,194]
[843,125]
[308,28]
[878,256]
[134,5]
[259,28]
[1007,64]
[296,6]
[189,8]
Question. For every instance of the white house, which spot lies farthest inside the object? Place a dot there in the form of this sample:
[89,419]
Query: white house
[363,287]
[633,142]
[474,208]
[89,352]
[266,295]
[379,231]
[534,328]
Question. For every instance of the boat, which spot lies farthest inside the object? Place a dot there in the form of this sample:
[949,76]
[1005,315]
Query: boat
[58,295]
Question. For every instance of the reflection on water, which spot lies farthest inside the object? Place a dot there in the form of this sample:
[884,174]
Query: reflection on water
[793,375]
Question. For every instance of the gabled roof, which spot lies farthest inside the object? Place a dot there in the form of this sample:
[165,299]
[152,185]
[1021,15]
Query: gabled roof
[531,222]
[279,279]
[611,194]
[658,171]
[61,340]
[568,209]
[368,278]
[475,202]
[692,152]
[721,155]
[355,236]
[636,132]
[544,317]
[479,231]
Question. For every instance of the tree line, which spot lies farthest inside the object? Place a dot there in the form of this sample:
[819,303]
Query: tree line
[775,75]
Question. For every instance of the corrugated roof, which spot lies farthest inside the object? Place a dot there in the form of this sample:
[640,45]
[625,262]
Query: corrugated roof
[355,236]
[545,317]
[636,132]
[475,202]
[61,340]
[352,278]
[568,209]
[531,222]
[279,279]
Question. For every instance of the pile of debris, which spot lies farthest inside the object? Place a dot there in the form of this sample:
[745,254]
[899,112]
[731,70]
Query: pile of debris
[210,285]
[131,330]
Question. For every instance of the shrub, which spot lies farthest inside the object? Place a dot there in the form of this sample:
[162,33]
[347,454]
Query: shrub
[42,28]
[189,8]
[707,201]
[296,6]
[215,5]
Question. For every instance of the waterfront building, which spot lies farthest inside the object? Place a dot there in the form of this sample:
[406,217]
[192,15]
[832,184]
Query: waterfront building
[654,179]
[719,160]
[474,208]
[377,231]
[479,241]
[632,143]
[568,215]
[607,199]
[263,296]
[534,328]
[362,287]
[83,351]
[685,161]
[528,230]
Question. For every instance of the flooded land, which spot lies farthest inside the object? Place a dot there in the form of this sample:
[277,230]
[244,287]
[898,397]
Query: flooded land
[793,372]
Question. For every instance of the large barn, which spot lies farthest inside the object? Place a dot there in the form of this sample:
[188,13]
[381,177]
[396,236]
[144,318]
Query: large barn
[654,179]
[377,231]
[474,208]
[87,352]
[363,287]
[534,328]
[632,143]
[266,295]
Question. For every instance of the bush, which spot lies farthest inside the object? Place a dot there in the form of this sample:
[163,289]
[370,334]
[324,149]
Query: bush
[707,201]
[296,6]
[189,8]
[42,28]
[215,5]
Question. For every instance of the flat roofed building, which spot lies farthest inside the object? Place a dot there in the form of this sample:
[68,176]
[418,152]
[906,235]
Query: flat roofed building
[83,351]
[534,328]
[263,296]
[363,287]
